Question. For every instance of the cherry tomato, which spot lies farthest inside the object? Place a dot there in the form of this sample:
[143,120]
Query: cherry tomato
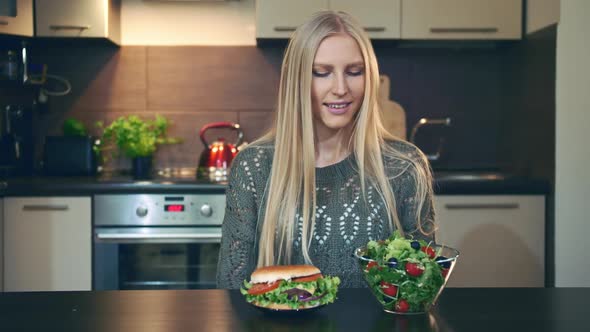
[444,272]
[429,251]
[371,265]
[402,306]
[312,277]
[262,288]
[414,269]
[389,289]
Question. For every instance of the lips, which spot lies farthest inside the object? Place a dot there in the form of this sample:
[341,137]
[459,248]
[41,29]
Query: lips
[338,108]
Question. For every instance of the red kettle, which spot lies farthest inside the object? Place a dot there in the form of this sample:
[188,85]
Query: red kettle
[217,157]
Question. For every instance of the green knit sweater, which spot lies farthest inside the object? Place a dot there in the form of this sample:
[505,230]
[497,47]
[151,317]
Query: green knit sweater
[344,220]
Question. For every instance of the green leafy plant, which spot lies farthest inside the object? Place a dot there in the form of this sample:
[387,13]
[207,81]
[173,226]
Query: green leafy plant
[134,136]
[73,127]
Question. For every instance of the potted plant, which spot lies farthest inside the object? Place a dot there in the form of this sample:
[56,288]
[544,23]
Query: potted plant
[137,139]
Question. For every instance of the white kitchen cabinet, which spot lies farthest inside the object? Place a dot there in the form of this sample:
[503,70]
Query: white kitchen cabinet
[380,18]
[461,19]
[47,243]
[74,18]
[279,18]
[22,23]
[541,14]
[501,239]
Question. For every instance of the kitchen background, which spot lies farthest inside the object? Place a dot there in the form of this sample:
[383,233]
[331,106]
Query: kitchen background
[198,63]
[493,92]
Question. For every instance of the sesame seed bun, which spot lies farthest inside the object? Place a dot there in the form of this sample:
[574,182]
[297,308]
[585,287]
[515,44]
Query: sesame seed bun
[270,274]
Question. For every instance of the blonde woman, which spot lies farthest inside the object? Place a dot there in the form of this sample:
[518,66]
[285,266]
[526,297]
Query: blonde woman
[328,177]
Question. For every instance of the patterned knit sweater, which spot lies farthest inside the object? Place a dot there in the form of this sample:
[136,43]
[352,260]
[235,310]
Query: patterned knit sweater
[344,221]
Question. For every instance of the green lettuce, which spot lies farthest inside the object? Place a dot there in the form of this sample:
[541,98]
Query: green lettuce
[325,288]
[420,291]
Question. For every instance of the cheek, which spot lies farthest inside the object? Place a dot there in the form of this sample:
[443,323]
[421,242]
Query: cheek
[358,87]
[319,87]
[318,92]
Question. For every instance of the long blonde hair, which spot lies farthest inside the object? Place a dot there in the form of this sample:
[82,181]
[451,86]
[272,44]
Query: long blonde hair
[291,187]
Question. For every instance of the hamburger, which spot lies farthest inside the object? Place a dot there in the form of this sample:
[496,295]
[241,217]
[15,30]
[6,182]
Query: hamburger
[290,287]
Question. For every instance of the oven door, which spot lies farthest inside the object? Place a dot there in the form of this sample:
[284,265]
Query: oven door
[127,258]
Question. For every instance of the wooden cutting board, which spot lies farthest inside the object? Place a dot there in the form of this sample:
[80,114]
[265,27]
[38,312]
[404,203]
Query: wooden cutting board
[392,113]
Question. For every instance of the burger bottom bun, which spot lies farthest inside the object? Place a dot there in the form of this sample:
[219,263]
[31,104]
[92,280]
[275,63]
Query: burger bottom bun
[276,306]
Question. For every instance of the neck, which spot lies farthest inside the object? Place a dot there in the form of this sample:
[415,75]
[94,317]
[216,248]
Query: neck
[331,148]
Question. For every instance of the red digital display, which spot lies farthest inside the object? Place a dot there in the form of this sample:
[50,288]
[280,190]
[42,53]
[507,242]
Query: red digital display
[174,208]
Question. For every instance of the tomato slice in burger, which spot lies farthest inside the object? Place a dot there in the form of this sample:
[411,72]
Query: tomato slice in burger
[312,277]
[262,288]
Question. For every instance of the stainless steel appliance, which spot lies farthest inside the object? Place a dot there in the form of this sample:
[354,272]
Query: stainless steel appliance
[157,241]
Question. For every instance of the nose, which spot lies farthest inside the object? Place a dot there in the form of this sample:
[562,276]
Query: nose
[339,85]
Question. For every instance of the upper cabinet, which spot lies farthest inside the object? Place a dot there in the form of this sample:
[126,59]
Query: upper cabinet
[74,18]
[279,18]
[401,19]
[541,14]
[461,19]
[380,18]
[19,21]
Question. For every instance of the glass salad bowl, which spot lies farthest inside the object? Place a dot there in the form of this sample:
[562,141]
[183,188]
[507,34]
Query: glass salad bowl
[406,276]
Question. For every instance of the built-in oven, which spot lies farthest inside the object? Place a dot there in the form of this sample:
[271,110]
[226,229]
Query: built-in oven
[156,241]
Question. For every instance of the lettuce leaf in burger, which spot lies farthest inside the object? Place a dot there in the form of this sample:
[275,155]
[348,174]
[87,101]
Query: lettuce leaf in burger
[290,287]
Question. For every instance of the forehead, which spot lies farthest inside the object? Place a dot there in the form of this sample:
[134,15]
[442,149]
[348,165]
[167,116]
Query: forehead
[338,49]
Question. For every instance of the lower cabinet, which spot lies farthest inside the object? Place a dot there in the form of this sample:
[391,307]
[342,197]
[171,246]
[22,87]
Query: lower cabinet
[501,239]
[47,243]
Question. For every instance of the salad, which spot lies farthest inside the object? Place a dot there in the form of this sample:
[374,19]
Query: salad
[405,275]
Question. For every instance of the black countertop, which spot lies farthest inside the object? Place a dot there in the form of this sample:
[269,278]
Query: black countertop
[458,309]
[446,183]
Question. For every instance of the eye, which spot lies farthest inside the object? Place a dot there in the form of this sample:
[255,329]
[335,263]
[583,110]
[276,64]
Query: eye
[317,73]
[355,72]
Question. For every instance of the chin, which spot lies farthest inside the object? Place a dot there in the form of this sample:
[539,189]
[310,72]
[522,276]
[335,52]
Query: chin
[337,122]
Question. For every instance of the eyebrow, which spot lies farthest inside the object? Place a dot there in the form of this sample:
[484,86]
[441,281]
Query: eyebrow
[353,64]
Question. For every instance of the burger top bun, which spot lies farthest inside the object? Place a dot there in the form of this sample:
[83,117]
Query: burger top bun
[273,273]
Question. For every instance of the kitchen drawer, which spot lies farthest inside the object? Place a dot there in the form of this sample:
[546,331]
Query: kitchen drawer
[47,243]
[501,239]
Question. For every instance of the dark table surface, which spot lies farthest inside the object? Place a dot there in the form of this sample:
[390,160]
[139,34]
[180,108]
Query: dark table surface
[459,309]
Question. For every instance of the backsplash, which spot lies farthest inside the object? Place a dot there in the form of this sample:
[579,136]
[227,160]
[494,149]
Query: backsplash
[195,85]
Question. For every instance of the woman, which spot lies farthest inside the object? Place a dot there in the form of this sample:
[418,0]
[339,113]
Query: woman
[328,177]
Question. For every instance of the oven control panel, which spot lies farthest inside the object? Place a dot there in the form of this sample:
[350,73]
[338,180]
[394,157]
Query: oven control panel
[158,210]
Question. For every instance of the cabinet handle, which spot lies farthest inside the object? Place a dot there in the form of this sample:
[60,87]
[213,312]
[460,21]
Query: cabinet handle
[283,29]
[464,30]
[69,27]
[3,22]
[45,207]
[374,29]
[481,206]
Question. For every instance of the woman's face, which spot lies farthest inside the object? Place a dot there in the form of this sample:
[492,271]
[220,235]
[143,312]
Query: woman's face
[338,83]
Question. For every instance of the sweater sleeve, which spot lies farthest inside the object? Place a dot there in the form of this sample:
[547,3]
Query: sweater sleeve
[236,261]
